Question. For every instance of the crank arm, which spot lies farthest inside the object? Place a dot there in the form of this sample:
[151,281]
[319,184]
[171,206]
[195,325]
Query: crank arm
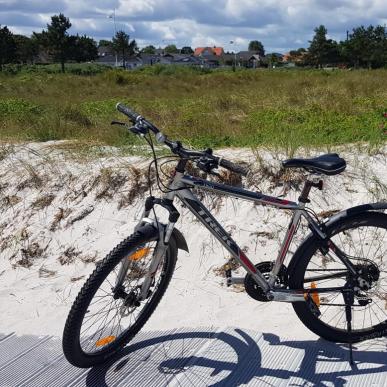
[235,281]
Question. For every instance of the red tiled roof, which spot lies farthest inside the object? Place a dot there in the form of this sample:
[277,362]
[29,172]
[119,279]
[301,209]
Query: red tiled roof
[198,50]
[218,51]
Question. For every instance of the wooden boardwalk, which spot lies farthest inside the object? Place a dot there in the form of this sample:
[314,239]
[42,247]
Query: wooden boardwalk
[197,357]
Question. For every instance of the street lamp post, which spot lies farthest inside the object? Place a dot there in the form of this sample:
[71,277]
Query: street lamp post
[113,16]
[235,58]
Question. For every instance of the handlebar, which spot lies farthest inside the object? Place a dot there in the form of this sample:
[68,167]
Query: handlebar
[132,115]
[233,167]
[176,147]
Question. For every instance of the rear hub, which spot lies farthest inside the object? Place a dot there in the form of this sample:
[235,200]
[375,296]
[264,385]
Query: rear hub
[367,275]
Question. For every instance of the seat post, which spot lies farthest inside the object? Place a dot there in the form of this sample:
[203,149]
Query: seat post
[312,180]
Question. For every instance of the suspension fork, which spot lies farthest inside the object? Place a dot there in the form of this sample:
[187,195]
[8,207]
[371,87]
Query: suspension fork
[126,262]
[164,236]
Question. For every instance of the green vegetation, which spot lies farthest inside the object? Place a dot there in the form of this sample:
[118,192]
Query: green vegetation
[279,108]
[55,68]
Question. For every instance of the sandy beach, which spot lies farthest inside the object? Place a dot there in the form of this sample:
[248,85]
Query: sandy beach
[60,214]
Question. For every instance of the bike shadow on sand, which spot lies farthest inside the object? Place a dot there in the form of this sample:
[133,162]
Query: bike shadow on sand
[235,357]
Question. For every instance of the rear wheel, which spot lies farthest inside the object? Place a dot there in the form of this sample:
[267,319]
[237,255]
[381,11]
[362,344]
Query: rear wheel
[105,316]
[363,238]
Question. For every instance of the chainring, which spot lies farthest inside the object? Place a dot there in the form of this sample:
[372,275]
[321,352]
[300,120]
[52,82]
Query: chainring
[254,290]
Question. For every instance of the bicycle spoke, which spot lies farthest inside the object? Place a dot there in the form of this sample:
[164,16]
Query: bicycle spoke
[362,246]
[104,320]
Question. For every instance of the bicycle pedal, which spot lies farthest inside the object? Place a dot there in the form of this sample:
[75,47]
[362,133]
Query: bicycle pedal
[230,280]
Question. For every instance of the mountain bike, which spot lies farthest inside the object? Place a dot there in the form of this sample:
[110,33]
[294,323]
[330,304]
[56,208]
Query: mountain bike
[336,279]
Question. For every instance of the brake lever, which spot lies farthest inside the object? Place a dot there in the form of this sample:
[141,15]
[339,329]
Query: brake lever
[140,130]
[118,123]
[207,165]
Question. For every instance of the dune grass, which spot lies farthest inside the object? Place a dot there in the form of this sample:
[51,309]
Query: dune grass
[283,109]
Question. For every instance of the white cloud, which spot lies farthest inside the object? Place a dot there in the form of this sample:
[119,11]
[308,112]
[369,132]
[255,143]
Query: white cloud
[280,24]
[135,7]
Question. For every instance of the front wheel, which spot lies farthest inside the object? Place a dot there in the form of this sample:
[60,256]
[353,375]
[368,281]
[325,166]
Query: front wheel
[363,239]
[109,312]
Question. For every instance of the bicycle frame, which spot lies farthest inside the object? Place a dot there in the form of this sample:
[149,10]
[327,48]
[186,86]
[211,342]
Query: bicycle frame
[181,186]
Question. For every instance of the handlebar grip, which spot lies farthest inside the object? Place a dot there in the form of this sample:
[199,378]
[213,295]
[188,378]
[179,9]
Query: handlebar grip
[233,167]
[132,115]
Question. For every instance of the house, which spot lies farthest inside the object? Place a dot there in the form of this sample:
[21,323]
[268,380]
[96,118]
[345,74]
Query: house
[179,59]
[297,57]
[105,51]
[149,59]
[187,60]
[159,51]
[166,59]
[133,62]
[107,60]
[278,57]
[287,57]
[207,51]
[229,59]
[110,60]
[250,59]
[212,61]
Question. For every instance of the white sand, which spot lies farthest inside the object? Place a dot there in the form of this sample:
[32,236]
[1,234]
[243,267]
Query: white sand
[37,299]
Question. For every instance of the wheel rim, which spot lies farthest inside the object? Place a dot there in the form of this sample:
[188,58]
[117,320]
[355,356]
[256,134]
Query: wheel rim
[362,244]
[110,313]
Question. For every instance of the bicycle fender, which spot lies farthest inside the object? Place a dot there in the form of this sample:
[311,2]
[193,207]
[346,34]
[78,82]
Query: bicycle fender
[181,243]
[379,206]
[149,227]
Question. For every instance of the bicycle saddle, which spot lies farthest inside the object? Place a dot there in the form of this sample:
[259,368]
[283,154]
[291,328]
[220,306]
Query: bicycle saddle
[328,164]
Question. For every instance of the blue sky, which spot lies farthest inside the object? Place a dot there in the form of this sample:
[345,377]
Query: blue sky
[279,24]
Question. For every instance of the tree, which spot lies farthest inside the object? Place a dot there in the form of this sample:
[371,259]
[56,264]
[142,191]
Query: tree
[149,50]
[379,57]
[7,47]
[298,56]
[322,50]
[26,48]
[256,45]
[367,46]
[58,39]
[171,49]
[40,39]
[104,43]
[272,59]
[124,46]
[84,49]
[187,50]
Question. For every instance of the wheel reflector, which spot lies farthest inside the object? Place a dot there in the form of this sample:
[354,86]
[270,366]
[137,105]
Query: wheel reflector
[104,341]
[315,296]
[139,254]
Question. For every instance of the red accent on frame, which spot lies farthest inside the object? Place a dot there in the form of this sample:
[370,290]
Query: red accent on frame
[278,201]
[286,247]
[246,261]
[332,246]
